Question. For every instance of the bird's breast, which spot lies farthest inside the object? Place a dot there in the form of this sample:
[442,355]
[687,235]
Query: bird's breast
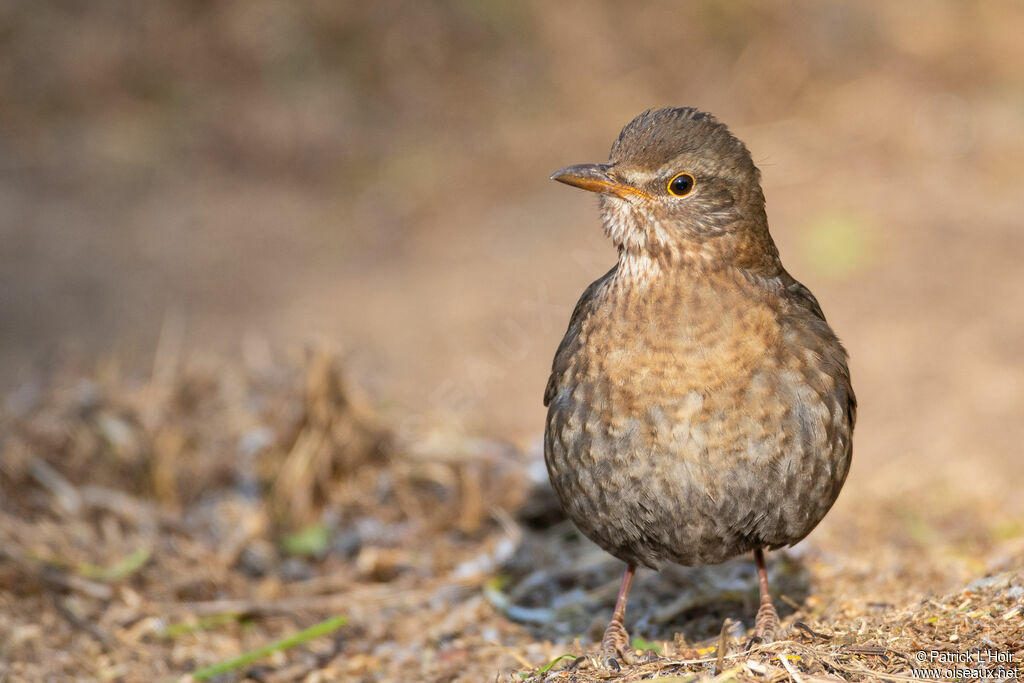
[675,412]
[640,344]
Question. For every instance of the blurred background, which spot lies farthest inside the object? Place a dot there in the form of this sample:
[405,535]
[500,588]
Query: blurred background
[233,180]
[246,176]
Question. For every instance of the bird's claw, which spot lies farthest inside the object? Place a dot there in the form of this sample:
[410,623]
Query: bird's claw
[616,644]
[596,661]
[615,651]
[603,662]
[649,656]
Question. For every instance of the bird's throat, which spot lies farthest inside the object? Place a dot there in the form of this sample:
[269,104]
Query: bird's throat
[637,267]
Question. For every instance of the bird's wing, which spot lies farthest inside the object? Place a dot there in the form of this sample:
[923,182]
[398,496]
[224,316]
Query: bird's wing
[803,297]
[799,293]
[570,342]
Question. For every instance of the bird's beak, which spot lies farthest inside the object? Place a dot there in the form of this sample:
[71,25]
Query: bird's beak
[595,178]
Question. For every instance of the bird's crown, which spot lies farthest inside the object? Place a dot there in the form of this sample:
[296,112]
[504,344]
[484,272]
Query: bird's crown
[659,136]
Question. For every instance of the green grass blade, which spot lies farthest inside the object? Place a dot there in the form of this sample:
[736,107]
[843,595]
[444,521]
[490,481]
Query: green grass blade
[554,661]
[202,624]
[313,541]
[304,636]
[121,569]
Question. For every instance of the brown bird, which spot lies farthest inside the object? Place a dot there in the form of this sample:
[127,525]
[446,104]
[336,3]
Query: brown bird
[699,406]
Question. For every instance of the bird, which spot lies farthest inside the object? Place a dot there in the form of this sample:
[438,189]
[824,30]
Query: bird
[699,405]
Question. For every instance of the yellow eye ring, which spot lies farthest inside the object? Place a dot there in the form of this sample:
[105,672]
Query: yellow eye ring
[681,185]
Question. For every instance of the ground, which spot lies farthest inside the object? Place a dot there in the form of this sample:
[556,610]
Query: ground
[159,527]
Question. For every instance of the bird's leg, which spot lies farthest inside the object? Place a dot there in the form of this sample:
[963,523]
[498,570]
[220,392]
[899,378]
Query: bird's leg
[766,625]
[616,639]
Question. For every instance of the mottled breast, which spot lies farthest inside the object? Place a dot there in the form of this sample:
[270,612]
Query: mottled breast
[696,421]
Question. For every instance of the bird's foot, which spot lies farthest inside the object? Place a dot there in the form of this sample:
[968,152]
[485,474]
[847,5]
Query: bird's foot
[766,625]
[616,643]
[615,650]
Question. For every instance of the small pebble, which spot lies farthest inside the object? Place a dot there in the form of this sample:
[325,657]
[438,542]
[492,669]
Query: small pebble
[257,559]
[295,569]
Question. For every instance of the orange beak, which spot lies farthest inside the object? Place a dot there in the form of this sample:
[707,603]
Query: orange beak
[595,178]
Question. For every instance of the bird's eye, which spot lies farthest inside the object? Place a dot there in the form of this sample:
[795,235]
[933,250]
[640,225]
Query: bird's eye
[681,185]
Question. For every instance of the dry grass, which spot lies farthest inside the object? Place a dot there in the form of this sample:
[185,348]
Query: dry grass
[153,528]
[884,643]
[142,525]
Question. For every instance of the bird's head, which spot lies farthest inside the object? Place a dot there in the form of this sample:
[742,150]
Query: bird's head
[679,187]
